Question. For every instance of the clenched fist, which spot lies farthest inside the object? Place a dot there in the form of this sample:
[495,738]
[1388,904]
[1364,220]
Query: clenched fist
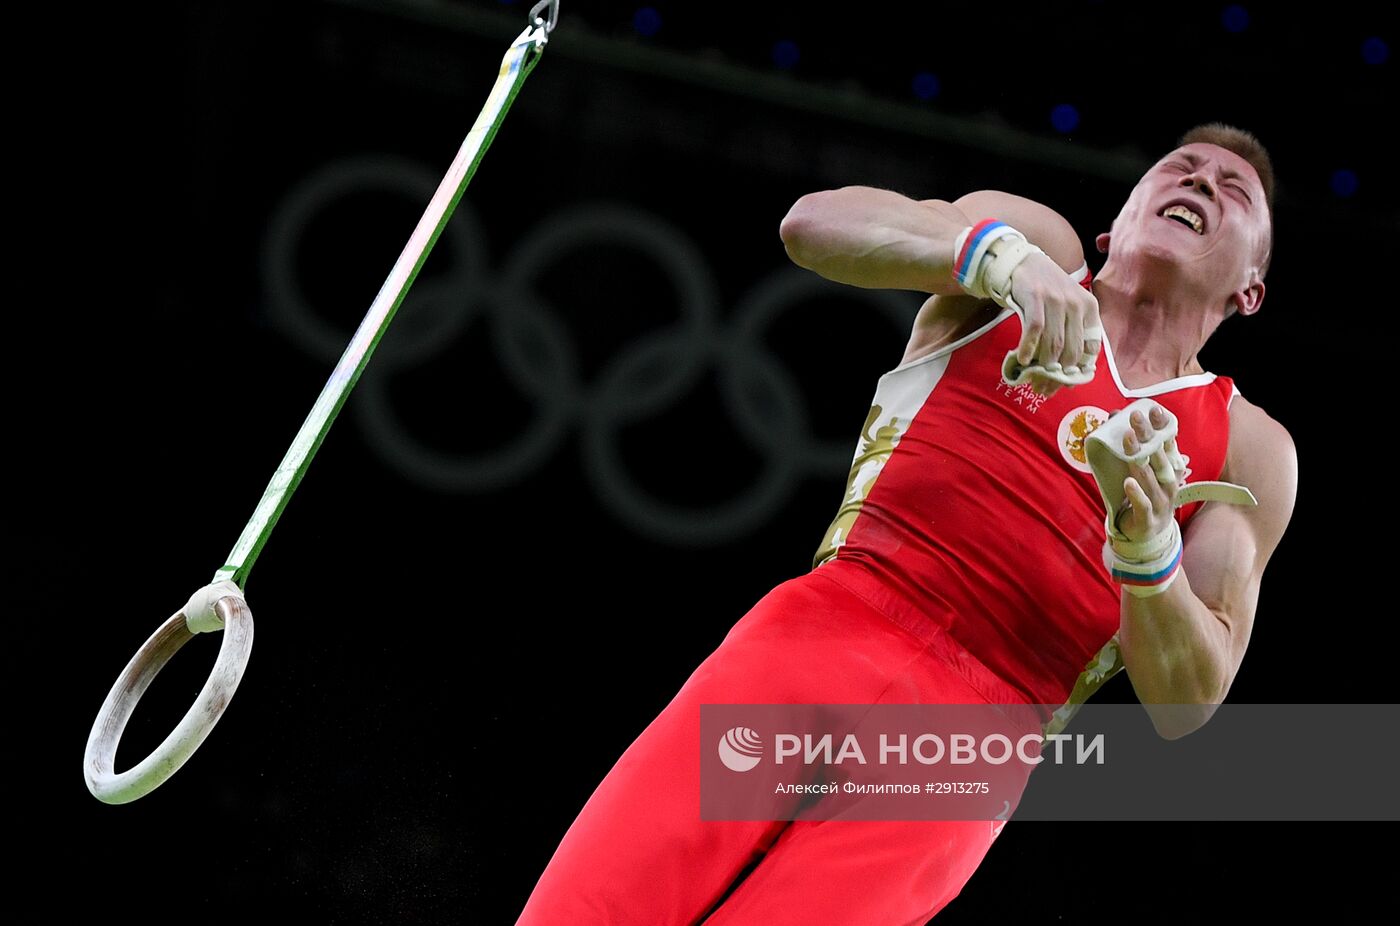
[1060,328]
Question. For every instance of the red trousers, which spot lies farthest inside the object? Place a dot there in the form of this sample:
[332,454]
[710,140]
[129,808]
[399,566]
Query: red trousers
[638,853]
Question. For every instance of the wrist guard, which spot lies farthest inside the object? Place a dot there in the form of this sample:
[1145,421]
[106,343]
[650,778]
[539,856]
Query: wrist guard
[984,257]
[1147,567]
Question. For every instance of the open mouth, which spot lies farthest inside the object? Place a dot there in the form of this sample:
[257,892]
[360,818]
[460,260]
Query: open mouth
[1186,216]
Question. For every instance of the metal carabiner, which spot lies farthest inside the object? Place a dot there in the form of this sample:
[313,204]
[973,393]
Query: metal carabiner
[548,24]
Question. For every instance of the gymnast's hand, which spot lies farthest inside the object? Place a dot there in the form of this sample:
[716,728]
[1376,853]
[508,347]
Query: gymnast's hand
[1060,326]
[1148,505]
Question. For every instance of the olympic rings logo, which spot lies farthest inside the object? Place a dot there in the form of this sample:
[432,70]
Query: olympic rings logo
[652,374]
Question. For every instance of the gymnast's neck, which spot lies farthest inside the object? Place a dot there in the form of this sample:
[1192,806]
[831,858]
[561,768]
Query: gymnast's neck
[1156,325]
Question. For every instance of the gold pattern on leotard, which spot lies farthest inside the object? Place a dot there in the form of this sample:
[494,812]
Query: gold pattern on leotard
[869,460]
[1107,662]
[1080,428]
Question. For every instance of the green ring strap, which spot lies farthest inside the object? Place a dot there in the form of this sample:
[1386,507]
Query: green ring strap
[519,61]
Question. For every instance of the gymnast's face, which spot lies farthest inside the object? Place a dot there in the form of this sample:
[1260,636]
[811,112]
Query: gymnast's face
[1200,215]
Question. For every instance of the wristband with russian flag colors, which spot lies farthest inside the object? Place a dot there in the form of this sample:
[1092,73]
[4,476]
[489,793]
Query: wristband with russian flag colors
[1148,567]
[985,254]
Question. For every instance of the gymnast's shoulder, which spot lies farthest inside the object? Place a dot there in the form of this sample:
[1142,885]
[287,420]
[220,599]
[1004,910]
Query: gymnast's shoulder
[1262,456]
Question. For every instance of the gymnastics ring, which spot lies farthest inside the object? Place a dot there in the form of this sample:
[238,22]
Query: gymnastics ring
[99,761]
[220,604]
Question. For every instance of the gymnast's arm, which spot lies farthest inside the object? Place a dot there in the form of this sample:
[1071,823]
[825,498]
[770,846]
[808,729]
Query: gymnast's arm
[1184,646]
[879,239]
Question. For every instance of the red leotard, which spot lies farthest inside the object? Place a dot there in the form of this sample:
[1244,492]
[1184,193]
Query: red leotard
[964,566]
[969,504]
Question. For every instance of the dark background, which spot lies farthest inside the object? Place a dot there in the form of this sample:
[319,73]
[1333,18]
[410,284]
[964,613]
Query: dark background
[448,659]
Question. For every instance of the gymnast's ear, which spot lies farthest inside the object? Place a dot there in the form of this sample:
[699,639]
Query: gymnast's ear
[1248,300]
[1101,242]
